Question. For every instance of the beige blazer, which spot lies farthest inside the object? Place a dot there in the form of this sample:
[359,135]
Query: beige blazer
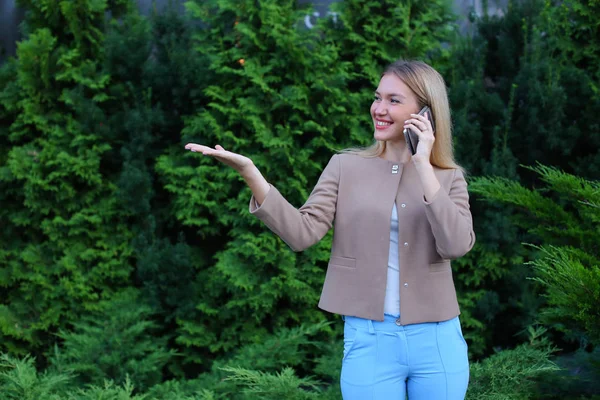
[355,195]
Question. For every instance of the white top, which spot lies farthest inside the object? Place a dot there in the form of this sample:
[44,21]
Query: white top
[392,290]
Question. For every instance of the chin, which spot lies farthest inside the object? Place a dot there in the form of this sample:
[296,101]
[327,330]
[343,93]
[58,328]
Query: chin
[378,135]
[385,137]
[392,133]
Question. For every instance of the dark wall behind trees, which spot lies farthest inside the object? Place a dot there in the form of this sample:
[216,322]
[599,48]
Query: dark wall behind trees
[11,15]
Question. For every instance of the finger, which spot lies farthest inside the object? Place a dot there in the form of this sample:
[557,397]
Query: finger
[193,147]
[219,147]
[414,128]
[422,124]
[417,127]
[423,118]
[198,148]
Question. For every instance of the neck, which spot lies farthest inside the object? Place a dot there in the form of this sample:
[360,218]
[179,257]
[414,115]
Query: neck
[396,152]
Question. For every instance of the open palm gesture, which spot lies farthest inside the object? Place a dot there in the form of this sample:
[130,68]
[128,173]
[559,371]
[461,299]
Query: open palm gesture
[234,160]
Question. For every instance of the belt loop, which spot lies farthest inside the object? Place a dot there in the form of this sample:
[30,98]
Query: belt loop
[371,329]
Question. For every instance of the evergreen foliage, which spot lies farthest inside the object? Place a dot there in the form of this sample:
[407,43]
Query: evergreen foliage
[283,385]
[564,216]
[19,380]
[511,374]
[154,82]
[114,344]
[106,391]
[373,34]
[516,101]
[282,99]
[66,244]
[575,27]
[578,377]
[121,250]
[507,375]
[260,108]
[370,34]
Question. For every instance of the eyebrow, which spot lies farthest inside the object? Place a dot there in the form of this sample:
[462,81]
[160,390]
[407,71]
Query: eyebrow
[393,94]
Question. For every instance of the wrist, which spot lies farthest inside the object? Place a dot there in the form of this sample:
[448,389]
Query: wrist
[421,162]
[248,171]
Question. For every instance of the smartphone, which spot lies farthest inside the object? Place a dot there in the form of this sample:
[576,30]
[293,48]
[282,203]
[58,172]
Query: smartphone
[412,139]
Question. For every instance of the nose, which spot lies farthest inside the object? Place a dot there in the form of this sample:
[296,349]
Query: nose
[380,108]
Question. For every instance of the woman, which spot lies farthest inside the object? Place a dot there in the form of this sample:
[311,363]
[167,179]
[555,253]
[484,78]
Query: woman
[399,219]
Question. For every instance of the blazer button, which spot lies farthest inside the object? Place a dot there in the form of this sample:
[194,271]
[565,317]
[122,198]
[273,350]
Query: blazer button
[403,205]
[405,284]
[405,244]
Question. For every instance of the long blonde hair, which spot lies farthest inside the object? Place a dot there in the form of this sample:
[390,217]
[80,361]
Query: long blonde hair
[429,87]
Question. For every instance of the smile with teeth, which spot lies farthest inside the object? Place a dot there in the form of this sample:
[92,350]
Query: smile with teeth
[382,124]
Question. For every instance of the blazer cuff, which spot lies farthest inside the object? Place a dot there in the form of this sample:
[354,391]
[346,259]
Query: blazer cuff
[262,210]
[433,199]
[439,201]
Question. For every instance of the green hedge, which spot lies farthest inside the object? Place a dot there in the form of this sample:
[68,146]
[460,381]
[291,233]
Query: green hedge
[109,227]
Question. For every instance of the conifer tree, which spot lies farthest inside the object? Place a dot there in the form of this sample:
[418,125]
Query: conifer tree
[288,98]
[156,80]
[514,102]
[66,242]
[20,380]
[98,195]
[274,98]
[562,217]
[575,29]
[117,343]
[371,34]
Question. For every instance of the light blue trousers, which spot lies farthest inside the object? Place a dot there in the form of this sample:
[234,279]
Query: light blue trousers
[384,361]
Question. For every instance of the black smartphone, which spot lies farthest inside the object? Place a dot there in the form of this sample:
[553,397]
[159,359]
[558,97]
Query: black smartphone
[412,139]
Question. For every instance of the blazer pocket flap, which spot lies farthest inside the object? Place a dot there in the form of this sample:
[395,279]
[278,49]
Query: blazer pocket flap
[439,266]
[343,261]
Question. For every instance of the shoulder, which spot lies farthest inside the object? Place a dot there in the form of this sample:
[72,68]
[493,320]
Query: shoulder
[347,156]
[350,164]
[349,159]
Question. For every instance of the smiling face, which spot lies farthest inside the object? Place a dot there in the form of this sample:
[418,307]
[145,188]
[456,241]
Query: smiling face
[393,103]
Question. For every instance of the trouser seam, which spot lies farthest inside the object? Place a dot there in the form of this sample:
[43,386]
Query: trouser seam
[376,363]
[437,342]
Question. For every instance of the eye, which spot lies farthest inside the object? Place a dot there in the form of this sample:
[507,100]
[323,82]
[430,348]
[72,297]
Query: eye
[395,101]
[376,98]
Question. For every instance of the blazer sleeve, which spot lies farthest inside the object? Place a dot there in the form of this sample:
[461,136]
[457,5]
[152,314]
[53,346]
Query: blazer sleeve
[303,227]
[450,217]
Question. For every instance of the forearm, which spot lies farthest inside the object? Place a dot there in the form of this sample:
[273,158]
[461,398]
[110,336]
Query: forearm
[452,225]
[256,182]
[429,181]
[303,227]
[448,213]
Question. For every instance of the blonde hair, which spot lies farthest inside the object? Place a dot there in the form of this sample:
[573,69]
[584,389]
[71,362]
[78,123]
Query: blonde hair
[429,87]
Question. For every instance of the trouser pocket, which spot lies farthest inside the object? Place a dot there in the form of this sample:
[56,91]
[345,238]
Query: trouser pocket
[349,339]
[452,346]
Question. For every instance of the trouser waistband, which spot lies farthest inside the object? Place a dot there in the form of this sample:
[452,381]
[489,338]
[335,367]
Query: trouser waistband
[389,324]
